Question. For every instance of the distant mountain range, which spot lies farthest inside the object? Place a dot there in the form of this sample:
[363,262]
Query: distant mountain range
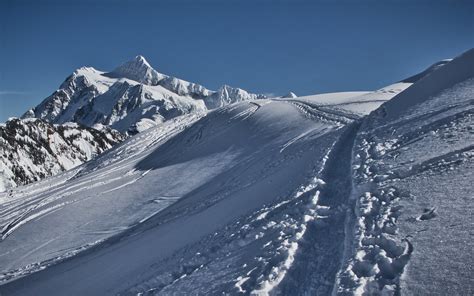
[131,98]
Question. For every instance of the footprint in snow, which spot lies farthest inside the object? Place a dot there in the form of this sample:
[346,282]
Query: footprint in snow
[428,214]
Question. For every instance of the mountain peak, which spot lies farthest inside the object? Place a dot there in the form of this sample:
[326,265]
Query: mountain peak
[138,69]
[131,92]
[139,63]
[139,59]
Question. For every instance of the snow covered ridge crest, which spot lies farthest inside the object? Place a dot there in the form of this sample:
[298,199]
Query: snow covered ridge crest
[442,77]
[413,168]
[131,98]
[32,149]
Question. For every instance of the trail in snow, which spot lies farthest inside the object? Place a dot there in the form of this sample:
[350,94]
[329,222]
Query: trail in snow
[256,198]
[316,264]
[413,172]
[222,183]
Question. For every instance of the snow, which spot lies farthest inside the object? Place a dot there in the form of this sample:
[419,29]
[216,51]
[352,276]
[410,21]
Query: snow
[290,95]
[32,149]
[354,193]
[131,92]
[195,176]
[457,70]
[134,91]
[413,211]
[139,70]
[360,103]
[428,71]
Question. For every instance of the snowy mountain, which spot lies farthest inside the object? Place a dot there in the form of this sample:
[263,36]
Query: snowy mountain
[32,149]
[353,193]
[131,98]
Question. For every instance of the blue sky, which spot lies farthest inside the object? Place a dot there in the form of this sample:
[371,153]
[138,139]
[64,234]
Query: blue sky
[263,46]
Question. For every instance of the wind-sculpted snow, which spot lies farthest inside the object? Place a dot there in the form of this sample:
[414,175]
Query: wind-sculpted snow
[33,149]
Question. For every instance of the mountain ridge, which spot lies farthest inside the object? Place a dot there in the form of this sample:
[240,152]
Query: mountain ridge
[135,97]
[159,98]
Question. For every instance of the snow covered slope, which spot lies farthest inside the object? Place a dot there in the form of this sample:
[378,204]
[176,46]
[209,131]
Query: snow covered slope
[32,149]
[135,97]
[432,68]
[293,196]
[413,170]
[445,77]
[131,98]
[359,103]
[255,163]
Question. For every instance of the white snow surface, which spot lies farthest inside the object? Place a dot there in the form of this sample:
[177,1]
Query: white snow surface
[413,164]
[358,102]
[195,181]
[292,196]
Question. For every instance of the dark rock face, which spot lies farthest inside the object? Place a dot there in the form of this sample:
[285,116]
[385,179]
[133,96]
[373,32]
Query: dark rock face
[32,149]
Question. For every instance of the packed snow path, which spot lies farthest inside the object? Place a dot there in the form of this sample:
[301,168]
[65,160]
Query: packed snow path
[321,248]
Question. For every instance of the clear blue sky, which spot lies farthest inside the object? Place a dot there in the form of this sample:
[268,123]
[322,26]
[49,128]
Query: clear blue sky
[262,46]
